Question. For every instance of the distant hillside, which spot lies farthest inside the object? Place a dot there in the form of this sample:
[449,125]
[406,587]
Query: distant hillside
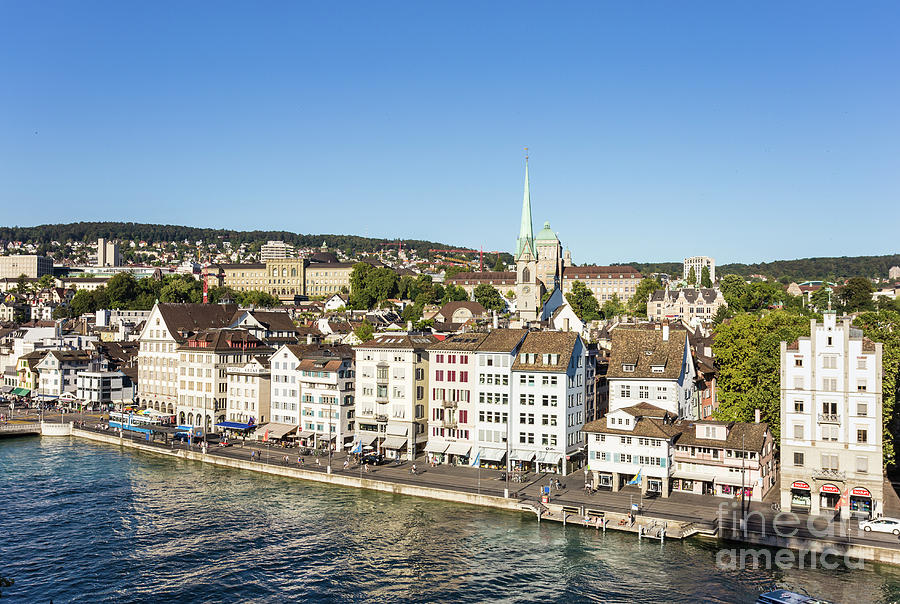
[802,269]
[154,233]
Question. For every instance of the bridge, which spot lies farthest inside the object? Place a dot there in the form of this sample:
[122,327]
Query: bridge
[18,429]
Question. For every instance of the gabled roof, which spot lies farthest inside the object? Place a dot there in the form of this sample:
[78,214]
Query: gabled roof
[418,342]
[271,320]
[650,427]
[183,319]
[743,436]
[502,340]
[219,339]
[449,308]
[540,343]
[466,342]
[631,347]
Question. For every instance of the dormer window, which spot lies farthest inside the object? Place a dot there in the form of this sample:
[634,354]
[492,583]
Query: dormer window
[628,367]
[656,368]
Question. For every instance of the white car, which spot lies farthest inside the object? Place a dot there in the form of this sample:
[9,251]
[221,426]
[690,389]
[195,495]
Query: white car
[881,525]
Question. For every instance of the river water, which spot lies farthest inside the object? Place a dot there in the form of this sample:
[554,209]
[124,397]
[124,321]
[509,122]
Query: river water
[84,522]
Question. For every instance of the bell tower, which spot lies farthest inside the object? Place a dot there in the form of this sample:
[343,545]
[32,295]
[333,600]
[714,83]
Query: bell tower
[528,294]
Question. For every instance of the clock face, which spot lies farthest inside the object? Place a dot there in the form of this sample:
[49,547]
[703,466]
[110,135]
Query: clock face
[526,289]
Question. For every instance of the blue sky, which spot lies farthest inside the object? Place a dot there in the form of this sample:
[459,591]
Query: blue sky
[745,131]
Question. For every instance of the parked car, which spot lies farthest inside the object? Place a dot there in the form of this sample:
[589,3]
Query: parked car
[881,525]
[374,459]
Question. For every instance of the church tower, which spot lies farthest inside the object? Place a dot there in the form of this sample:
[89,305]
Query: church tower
[528,294]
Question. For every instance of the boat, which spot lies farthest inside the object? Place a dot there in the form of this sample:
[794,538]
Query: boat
[783,596]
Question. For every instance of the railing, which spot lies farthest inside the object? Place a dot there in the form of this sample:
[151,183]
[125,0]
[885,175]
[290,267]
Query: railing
[829,418]
[448,404]
[449,423]
[382,418]
[829,474]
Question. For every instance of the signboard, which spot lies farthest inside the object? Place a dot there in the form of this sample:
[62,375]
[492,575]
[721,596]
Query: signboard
[799,484]
[830,488]
[634,507]
[861,492]
[546,490]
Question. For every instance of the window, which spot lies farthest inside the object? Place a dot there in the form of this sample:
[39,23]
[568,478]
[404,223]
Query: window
[830,462]
[860,362]
[625,391]
[798,362]
[862,436]
[829,361]
[829,408]
[798,459]
[829,384]
[644,392]
[798,383]
[798,431]
[861,386]
[862,465]
[830,433]
[798,406]
[862,409]
[628,367]
[829,341]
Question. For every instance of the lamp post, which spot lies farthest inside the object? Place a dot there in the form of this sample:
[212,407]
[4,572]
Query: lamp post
[330,432]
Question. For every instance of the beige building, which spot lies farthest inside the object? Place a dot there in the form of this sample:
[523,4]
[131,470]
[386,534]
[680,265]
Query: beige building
[685,304]
[503,281]
[108,253]
[29,265]
[289,277]
[603,281]
[275,249]
[697,263]
[326,278]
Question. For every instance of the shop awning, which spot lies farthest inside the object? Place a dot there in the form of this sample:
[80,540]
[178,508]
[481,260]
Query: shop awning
[549,457]
[394,442]
[436,447]
[695,476]
[521,455]
[459,449]
[305,434]
[235,426]
[6,389]
[21,391]
[367,438]
[397,429]
[734,481]
[275,431]
[488,454]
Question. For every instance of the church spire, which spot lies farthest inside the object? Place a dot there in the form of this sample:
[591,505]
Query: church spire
[526,233]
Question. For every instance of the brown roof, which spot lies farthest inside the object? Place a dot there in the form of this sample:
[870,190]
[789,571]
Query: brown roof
[868,345]
[645,348]
[651,427]
[400,341]
[546,342]
[461,341]
[183,319]
[743,436]
[222,340]
[600,272]
[272,320]
[503,340]
[501,277]
[449,308]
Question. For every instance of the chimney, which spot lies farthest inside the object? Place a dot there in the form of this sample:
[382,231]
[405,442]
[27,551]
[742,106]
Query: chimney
[496,320]
[309,339]
[665,331]
[409,326]
[757,416]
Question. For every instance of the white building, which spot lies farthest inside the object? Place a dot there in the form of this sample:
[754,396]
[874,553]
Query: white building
[452,418]
[831,421]
[652,366]
[275,249]
[697,263]
[391,394]
[285,395]
[327,385]
[493,385]
[59,369]
[548,401]
[248,388]
[104,387]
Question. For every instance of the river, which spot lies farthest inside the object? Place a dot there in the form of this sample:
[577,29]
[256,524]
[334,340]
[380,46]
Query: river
[84,522]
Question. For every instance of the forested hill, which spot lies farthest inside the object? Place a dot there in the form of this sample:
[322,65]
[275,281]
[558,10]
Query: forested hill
[802,269]
[154,233]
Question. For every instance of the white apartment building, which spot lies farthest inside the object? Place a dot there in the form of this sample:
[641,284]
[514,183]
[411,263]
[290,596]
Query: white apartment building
[275,249]
[697,263]
[548,402]
[104,387]
[392,394]
[327,385]
[203,363]
[285,408]
[248,388]
[167,327]
[58,371]
[831,421]
[493,385]
[452,414]
[652,366]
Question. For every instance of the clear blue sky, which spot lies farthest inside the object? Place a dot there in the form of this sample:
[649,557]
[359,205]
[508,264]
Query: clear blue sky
[746,131]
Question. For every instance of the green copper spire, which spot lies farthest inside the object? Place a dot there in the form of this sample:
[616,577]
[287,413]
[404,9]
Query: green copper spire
[526,234]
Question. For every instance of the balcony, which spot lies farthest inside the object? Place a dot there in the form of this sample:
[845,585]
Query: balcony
[449,423]
[829,418]
[448,404]
[829,474]
[381,418]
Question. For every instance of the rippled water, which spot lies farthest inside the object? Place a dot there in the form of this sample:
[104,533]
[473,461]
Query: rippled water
[92,523]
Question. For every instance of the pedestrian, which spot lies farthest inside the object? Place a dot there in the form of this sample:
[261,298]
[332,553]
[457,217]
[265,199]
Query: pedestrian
[318,463]
[299,461]
[346,464]
[366,467]
[414,471]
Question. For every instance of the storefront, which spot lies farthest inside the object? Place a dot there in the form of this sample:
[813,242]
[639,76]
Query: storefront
[548,461]
[829,497]
[801,496]
[861,502]
[393,446]
[459,453]
[522,460]
[694,482]
[733,490]
[492,458]
[654,485]
[436,451]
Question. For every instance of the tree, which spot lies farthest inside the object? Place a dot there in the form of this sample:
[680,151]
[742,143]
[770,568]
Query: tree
[613,307]
[510,295]
[364,331]
[638,302]
[455,293]
[856,295]
[22,283]
[884,327]
[257,298]
[498,265]
[488,296]
[705,281]
[453,270]
[46,281]
[122,289]
[748,355]
[382,283]
[583,302]
[82,302]
[692,277]
[361,298]
[734,289]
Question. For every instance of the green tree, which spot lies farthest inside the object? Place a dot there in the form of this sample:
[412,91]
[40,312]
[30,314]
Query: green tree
[455,293]
[613,307]
[856,295]
[22,283]
[498,265]
[705,281]
[692,277]
[884,327]
[382,283]
[638,302]
[46,281]
[583,302]
[820,298]
[82,302]
[123,290]
[257,298]
[488,296]
[364,331]
[510,295]
[748,356]
[453,270]
[734,290]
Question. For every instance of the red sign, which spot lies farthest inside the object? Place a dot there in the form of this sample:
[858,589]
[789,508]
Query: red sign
[830,488]
[860,492]
[799,484]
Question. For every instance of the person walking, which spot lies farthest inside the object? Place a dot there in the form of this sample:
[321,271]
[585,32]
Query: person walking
[413,470]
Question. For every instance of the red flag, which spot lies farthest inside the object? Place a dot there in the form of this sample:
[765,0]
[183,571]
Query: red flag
[266,437]
[843,500]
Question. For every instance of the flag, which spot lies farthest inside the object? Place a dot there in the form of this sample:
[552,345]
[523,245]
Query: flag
[266,437]
[476,460]
[636,479]
[843,500]
[357,448]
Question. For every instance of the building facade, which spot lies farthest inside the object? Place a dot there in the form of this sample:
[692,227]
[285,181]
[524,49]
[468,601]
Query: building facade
[698,263]
[248,392]
[688,304]
[31,266]
[327,390]
[831,422]
[275,249]
[605,282]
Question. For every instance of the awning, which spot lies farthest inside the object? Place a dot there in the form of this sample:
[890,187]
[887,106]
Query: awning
[521,455]
[735,481]
[21,391]
[550,457]
[694,476]
[6,389]
[305,434]
[459,449]
[397,429]
[275,431]
[367,438]
[436,447]
[394,442]
[235,426]
[492,454]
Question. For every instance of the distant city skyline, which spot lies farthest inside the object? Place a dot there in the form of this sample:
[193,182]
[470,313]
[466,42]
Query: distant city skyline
[656,132]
